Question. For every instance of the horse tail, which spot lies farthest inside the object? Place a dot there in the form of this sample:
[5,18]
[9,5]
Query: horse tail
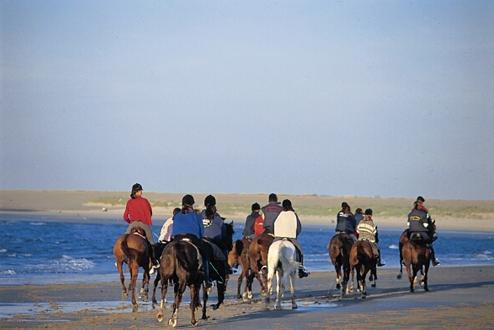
[129,253]
[183,259]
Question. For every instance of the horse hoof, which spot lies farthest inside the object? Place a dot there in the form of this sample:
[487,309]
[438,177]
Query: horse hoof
[204,317]
[215,306]
[373,285]
[277,307]
[239,296]
[172,322]
[363,297]
[294,306]
[426,289]
[159,317]
[338,286]
[194,323]
[398,276]
[134,308]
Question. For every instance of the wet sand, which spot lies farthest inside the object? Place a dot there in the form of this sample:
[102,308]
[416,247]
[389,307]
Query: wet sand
[460,297]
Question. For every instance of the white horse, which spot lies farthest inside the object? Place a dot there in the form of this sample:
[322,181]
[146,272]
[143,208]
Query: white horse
[281,260]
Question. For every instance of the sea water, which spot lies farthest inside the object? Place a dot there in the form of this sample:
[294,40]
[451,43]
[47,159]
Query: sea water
[42,250]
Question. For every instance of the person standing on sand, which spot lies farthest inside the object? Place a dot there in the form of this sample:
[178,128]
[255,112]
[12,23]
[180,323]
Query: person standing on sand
[345,221]
[270,212]
[420,222]
[138,213]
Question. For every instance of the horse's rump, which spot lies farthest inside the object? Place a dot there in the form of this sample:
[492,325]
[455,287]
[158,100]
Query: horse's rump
[186,254]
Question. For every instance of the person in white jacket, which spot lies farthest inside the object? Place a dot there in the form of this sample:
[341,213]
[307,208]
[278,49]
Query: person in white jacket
[287,225]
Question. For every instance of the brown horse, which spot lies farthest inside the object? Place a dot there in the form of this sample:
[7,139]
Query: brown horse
[181,264]
[403,240]
[258,260]
[134,250]
[363,260]
[239,256]
[339,253]
[416,257]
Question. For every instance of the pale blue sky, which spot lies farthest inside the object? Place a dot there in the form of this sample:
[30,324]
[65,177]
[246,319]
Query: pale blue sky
[390,98]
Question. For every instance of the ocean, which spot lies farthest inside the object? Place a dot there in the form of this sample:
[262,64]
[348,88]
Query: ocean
[38,250]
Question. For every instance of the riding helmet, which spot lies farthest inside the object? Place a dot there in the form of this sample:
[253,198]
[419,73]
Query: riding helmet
[188,200]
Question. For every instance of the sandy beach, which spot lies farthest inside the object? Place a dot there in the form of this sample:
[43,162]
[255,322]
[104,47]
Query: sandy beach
[460,297]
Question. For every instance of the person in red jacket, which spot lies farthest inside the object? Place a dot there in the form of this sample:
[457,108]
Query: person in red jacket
[138,212]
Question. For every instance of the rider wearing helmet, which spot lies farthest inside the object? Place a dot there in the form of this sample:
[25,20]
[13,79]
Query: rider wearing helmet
[420,224]
[345,221]
[367,230]
[188,224]
[287,225]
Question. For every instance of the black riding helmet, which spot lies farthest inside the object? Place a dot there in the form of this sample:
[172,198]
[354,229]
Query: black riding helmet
[368,212]
[135,188]
[210,200]
[188,200]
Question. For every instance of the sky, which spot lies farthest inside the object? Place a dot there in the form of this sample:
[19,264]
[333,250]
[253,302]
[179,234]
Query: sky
[369,98]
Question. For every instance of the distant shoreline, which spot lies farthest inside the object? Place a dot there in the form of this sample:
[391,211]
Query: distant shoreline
[389,213]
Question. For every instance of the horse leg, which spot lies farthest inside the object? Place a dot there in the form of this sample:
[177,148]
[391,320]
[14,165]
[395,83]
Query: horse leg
[164,289]
[145,283]
[292,290]
[426,274]
[239,285]
[247,295]
[279,289]
[134,273]
[414,277]
[337,268]
[410,276]
[204,302]
[194,292]
[221,288]
[179,291]
[364,285]
[122,277]
[156,281]
[400,274]
[374,275]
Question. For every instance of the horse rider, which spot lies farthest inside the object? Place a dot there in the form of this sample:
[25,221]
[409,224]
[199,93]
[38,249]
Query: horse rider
[270,212]
[367,230]
[214,228]
[250,222]
[188,224]
[345,221]
[420,223]
[287,225]
[165,234]
[138,213]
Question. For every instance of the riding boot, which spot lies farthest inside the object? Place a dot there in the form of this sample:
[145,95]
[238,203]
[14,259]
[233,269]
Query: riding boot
[153,262]
[435,261]
[301,269]
[379,262]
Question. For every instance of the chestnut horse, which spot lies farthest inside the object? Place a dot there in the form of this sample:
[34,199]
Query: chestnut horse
[239,255]
[134,250]
[416,257]
[339,252]
[363,260]
[258,260]
[181,263]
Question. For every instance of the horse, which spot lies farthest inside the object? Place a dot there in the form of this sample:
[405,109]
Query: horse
[416,257]
[258,260]
[239,256]
[218,268]
[181,264]
[404,238]
[134,250]
[282,262]
[363,260]
[339,252]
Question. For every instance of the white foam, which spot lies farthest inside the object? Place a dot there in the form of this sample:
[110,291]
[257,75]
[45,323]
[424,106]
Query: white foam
[393,247]
[3,250]
[8,272]
[37,223]
[64,264]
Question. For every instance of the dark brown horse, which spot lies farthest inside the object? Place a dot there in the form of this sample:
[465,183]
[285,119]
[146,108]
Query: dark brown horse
[181,264]
[239,255]
[258,260]
[363,260]
[416,257]
[403,240]
[339,253]
[218,268]
[134,250]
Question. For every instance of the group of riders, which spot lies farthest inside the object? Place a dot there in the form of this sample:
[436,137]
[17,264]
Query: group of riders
[205,229]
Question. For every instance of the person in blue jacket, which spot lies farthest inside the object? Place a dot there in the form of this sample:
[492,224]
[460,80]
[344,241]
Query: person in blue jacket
[188,224]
